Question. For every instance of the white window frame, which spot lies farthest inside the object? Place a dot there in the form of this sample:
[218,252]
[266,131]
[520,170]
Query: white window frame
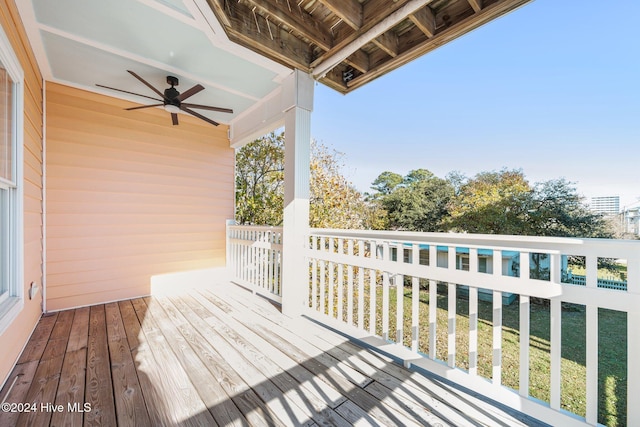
[13,302]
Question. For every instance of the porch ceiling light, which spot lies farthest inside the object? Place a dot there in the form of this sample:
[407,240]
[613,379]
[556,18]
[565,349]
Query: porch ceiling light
[172,108]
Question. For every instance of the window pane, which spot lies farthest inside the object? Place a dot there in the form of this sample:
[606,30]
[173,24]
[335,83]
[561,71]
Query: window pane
[4,268]
[6,137]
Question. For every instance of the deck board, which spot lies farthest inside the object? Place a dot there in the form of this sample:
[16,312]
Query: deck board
[221,356]
[98,392]
[130,408]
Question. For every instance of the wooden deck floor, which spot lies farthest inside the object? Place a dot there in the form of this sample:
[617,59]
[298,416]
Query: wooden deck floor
[218,356]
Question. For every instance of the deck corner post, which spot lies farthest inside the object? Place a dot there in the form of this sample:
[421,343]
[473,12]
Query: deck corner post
[297,106]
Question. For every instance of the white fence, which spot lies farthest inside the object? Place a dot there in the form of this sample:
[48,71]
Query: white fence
[254,257]
[357,280]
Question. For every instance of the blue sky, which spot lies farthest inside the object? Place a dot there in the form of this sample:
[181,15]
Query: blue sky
[552,88]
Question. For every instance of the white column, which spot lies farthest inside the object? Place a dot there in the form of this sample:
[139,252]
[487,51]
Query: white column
[298,104]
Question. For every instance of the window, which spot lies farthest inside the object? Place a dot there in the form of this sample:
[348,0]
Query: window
[11,246]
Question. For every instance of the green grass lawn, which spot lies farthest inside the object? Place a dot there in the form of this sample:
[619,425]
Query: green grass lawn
[612,325]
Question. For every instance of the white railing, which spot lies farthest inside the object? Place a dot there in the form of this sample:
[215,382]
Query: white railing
[357,279]
[254,256]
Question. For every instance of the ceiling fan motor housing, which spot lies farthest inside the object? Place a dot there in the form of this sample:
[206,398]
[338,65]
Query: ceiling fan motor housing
[171,96]
[173,81]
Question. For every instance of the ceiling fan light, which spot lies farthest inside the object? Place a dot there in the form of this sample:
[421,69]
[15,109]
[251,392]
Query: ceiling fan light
[172,108]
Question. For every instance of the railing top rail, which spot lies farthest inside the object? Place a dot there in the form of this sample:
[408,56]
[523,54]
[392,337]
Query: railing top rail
[570,245]
[255,227]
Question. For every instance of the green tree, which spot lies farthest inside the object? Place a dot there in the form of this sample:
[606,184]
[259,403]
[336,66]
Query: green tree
[334,202]
[386,183]
[504,203]
[556,209]
[260,181]
[417,203]
[492,203]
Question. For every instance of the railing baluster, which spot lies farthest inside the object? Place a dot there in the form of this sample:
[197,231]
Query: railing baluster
[350,284]
[244,272]
[633,356]
[433,316]
[556,351]
[592,364]
[451,323]
[373,309]
[399,282]
[252,256]
[373,306]
[415,300]
[633,341]
[322,278]
[473,315]
[269,274]
[314,284]
[525,314]
[263,258]
[340,281]
[385,292]
[361,286]
[473,330]
[332,282]
[497,338]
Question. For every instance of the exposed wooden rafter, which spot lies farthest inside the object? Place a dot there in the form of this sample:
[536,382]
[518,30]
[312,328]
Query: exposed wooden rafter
[302,22]
[476,5]
[425,20]
[347,43]
[350,11]
[388,42]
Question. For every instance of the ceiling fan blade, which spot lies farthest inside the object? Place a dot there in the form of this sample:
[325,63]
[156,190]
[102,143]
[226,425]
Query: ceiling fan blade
[186,94]
[198,115]
[174,119]
[146,83]
[130,93]
[207,107]
[143,106]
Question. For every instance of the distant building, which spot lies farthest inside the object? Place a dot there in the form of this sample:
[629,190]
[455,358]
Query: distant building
[631,221]
[608,205]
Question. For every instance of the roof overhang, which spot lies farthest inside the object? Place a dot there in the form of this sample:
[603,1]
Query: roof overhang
[348,43]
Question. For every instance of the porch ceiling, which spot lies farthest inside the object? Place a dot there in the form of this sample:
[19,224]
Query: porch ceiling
[83,43]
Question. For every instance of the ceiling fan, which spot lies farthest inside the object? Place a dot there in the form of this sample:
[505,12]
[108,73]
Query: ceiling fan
[172,100]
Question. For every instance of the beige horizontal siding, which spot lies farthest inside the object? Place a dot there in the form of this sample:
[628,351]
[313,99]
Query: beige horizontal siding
[129,197]
[14,338]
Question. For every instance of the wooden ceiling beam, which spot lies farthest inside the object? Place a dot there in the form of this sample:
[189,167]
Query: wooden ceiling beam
[268,39]
[309,28]
[375,10]
[425,20]
[350,11]
[347,47]
[388,42]
[476,5]
[359,60]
